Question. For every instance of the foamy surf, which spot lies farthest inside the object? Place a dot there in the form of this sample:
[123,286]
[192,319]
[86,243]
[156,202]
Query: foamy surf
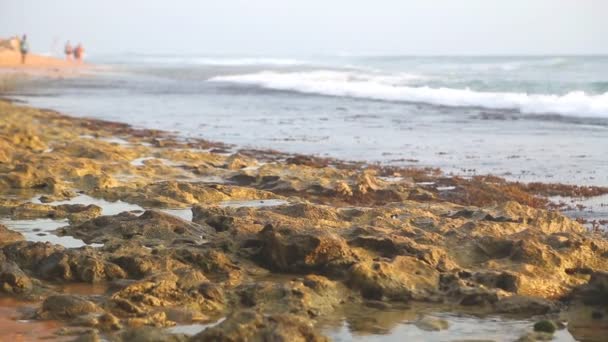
[396,88]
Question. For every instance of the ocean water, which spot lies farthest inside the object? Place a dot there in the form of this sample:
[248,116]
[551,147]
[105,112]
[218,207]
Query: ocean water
[541,118]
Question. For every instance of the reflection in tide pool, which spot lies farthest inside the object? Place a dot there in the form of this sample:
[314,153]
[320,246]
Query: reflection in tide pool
[184,214]
[460,328]
[193,329]
[107,207]
[41,230]
[253,203]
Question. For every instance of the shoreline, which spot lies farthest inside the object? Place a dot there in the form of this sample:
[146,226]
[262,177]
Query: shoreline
[571,198]
[271,240]
[39,65]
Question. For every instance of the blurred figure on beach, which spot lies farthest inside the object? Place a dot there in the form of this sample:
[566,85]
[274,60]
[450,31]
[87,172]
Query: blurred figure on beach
[78,52]
[68,50]
[23,48]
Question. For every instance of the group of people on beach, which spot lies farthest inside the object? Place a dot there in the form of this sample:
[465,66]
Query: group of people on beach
[75,52]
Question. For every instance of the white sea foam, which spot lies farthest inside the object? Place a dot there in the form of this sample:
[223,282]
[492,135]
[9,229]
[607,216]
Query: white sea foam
[395,88]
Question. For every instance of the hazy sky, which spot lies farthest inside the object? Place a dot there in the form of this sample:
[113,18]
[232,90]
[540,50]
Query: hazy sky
[294,27]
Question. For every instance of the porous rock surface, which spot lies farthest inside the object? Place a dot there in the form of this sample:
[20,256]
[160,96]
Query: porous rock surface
[342,235]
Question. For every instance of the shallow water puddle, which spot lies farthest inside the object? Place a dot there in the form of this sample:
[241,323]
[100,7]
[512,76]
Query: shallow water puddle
[114,208]
[185,214]
[193,329]
[590,208]
[207,179]
[85,289]
[392,179]
[13,328]
[141,161]
[41,230]
[253,203]
[112,140]
[459,328]
[107,207]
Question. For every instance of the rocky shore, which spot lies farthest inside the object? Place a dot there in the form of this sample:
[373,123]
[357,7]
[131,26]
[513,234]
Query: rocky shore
[251,245]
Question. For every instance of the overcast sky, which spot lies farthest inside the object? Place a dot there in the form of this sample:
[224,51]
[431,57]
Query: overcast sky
[313,27]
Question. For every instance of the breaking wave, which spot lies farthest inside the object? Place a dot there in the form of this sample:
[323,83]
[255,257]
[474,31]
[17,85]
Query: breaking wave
[400,87]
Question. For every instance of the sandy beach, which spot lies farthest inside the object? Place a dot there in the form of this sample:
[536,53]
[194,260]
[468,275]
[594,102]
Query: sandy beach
[12,59]
[189,240]
[37,65]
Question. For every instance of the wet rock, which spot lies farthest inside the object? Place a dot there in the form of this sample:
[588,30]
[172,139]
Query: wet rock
[28,255]
[238,161]
[73,212]
[535,253]
[595,292]
[524,305]
[8,236]
[401,279]
[478,296]
[151,225]
[307,161]
[108,322]
[161,290]
[421,195]
[150,334]
[535,336]
[25,138]
[309,212]
[138,266]
[67,306]
[218,218]
[385,246]
[302,250]
[428,323]
[77,212]
[71,265]
[309,297]
[12,278]
[213,263]
[343,189]
[495,247]
[26,176]
[173,194]
[212,292]
[154,319]
[91,336]
[342,221]
[185,315]
[252,326]
[126,306]
[506,281]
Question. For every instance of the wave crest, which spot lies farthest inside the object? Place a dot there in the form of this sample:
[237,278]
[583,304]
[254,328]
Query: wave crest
[396,88]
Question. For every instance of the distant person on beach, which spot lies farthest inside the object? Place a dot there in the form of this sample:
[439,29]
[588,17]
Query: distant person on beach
[23,48]
[78,52]
[68,50]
